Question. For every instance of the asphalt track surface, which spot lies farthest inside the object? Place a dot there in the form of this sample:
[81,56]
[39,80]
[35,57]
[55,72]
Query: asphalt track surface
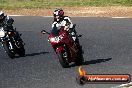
[107,45]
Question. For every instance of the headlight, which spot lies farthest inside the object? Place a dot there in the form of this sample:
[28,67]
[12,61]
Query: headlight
[52,39]
[56,39]
[9,32]
[2,32]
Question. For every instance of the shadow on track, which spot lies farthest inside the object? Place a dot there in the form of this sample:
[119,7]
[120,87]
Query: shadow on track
[96,61]
[92,62]
[34,54]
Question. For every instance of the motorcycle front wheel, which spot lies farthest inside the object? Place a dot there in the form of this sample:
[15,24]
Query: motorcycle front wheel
[8,51]
[63,59]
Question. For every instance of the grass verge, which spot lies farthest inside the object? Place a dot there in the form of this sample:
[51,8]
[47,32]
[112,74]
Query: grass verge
[14,4]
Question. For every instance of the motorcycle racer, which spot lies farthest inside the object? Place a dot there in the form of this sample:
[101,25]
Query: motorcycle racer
[61,20]
[6,21]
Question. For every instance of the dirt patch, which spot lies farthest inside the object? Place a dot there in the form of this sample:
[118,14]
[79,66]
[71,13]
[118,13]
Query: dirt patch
[77,11]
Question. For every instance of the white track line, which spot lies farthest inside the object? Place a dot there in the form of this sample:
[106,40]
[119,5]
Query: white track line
[81,16]
[120,17]
[95,17]
[16,15]
[46,16]
[128,85]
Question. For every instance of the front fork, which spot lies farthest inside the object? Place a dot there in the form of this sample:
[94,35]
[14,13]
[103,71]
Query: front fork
[63,50]
[10,46]
[8,43]
[59,49]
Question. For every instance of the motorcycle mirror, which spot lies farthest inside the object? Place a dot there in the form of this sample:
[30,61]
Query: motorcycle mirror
[74,24]
[43,32]
[79,35]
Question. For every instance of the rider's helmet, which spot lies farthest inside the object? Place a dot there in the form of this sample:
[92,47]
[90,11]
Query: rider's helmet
[1,15]
[58,14]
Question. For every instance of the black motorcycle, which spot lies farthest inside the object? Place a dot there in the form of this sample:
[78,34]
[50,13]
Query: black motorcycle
[12,42]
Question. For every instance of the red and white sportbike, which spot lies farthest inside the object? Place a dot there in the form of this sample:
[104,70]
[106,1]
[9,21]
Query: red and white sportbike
[67,50]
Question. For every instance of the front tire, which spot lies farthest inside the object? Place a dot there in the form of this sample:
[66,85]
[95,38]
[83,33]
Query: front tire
[62,59]
[8,51]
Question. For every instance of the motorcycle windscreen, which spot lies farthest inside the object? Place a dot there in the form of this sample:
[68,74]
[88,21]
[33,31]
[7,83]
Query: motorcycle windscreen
[55,32]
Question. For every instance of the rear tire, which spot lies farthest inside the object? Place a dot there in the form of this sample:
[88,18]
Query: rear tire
[20,47]
[11,55]
[63,61]
[79,59]
[21,51]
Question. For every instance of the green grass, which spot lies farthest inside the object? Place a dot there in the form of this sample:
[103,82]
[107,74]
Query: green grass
[12,4]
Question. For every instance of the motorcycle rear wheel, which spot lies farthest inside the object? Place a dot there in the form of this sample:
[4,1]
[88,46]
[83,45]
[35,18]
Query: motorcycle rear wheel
[21,51]
[79,59]
[20,47]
